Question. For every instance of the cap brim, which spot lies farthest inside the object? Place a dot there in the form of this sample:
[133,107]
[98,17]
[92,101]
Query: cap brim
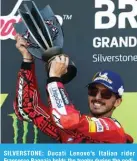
[103,83]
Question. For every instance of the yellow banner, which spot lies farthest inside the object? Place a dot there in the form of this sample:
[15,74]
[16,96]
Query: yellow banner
[126,114]
[2,98]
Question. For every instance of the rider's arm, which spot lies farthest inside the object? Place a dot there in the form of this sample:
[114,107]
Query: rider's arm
[27,103]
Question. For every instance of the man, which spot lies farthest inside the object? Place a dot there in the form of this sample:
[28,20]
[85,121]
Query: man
[61,120]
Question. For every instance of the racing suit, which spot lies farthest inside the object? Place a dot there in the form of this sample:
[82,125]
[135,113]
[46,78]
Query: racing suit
[60,120]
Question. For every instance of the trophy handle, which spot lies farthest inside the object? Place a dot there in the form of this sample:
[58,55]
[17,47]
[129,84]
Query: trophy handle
[71,73]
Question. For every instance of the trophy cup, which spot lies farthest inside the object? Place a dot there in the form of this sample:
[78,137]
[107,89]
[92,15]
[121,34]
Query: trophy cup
[44,34]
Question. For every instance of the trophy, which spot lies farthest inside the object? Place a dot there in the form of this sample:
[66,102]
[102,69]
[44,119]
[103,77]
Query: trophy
[44,34]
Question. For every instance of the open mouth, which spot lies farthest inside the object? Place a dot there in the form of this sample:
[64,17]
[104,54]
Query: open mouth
[97,104]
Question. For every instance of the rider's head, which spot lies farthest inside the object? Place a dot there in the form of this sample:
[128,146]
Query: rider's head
[105,93]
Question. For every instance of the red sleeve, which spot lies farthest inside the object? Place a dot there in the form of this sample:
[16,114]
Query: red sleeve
[27,103]
[67,117]
[63,111]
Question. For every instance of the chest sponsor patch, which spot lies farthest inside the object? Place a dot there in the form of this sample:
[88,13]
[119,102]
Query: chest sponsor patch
[99,126]
[92,125]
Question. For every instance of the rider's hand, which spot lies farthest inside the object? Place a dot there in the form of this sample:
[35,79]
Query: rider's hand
[21,45]
[58,66]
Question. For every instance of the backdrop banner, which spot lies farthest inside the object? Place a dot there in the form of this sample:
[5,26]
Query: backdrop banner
[99,34]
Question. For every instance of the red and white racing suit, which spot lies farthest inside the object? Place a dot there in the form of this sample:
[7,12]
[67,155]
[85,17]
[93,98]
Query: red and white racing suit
[61,120]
